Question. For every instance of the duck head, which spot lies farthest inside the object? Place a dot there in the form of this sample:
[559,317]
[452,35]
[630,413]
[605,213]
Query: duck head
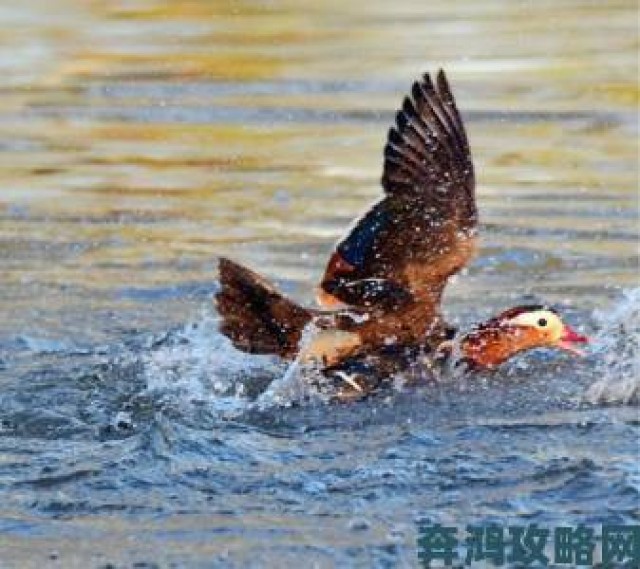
[516,330]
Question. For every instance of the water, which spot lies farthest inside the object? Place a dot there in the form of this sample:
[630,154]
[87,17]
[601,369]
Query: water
[139,140]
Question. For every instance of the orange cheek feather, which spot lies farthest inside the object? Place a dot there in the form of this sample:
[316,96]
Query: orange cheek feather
[490,347]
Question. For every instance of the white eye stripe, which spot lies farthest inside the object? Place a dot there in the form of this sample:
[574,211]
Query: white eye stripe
[536,318]
[552,329]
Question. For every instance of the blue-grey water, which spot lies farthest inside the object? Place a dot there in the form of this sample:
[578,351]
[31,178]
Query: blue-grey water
[141,140]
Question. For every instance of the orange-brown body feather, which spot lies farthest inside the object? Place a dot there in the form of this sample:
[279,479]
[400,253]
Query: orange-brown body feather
[388,274]
[487,348]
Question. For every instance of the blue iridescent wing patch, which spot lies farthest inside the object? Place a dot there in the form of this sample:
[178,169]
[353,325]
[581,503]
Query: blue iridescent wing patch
[356,247]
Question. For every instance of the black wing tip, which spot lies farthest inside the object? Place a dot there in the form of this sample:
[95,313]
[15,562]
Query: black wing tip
[428,141]
[394,138]
[443,85]
[440,76]
[439,80]
[408,111]
[418,92]
[426,80]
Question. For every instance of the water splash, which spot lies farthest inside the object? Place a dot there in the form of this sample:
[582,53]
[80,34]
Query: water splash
[197,364]
[617,351]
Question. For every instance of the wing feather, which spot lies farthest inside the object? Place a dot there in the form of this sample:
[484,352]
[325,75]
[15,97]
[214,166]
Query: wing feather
[430,134]
[421,231]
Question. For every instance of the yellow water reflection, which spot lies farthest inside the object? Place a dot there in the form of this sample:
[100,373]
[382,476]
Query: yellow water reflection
[141,139]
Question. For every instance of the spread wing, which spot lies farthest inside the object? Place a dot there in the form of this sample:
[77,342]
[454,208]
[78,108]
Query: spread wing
[422,231]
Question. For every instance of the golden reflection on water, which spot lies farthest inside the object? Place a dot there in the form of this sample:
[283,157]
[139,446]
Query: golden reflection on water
[141,139]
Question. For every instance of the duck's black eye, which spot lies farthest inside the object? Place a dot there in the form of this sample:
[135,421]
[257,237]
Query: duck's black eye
[542,322]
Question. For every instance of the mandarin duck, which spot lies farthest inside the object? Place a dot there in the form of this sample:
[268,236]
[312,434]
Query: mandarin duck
[382,287]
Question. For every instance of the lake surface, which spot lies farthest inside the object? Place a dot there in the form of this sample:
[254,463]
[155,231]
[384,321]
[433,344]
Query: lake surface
[142,139]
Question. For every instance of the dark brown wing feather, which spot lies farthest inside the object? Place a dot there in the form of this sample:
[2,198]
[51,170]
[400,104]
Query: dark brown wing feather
[427,155]
[255,316]
[422,231]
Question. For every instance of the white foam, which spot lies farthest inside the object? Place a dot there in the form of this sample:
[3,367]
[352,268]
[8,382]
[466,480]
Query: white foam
[198,364]
[296,383]
[616,352]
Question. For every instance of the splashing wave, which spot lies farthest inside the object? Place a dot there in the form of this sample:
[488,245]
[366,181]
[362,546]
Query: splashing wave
[617,351]
[198,364]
